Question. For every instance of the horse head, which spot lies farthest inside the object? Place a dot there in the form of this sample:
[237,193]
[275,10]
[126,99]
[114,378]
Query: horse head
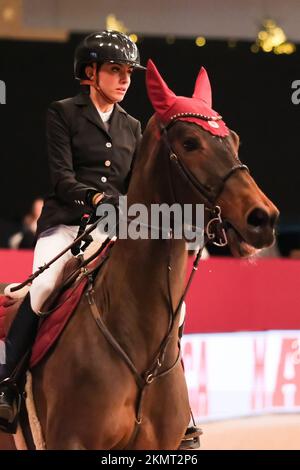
[203,164]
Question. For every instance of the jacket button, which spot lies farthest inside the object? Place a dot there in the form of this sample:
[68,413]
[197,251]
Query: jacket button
[108,145]
[107,163]
[103,179]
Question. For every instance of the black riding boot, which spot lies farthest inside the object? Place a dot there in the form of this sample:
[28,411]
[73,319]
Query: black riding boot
[19,340]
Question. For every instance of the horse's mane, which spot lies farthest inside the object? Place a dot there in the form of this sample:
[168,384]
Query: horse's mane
[150,140]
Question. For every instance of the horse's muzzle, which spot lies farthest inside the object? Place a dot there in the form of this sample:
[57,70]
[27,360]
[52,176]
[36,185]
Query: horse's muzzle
[261,223]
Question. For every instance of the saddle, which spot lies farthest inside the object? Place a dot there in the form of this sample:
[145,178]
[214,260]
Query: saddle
[60,305]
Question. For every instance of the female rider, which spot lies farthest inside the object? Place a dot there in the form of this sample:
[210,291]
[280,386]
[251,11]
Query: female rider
[92,143]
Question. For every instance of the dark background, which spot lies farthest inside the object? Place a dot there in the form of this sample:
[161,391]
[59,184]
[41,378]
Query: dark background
[251,91]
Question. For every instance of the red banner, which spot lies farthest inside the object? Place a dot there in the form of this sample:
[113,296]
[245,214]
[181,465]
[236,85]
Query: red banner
[15,265]
[237,295]
[226,294]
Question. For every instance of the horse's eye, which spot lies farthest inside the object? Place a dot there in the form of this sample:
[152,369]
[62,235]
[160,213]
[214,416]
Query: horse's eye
[190,144]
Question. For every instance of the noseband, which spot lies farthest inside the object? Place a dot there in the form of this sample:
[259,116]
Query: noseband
[209,194]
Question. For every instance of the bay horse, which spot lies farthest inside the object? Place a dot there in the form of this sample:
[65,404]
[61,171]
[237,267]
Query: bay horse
[88,394]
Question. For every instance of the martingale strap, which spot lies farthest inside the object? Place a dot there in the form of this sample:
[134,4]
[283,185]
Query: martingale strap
[141,379]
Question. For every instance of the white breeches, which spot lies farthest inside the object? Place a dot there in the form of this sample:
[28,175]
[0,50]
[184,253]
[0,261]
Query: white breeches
[49,244]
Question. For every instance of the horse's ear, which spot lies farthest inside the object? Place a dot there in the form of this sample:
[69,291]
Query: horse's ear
[202,89]
[160,95]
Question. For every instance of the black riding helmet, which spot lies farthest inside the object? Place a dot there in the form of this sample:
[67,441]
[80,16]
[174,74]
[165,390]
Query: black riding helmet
[105,46]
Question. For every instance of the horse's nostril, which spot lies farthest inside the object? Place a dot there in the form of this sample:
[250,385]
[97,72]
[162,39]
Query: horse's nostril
[258,218]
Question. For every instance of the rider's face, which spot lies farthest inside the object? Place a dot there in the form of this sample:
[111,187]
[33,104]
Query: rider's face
[114,80]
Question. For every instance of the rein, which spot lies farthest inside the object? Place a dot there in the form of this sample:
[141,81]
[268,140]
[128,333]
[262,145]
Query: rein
[147,377]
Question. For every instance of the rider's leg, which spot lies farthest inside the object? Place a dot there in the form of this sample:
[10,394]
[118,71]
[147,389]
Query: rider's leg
[18,341]
[49,244]
[23,329]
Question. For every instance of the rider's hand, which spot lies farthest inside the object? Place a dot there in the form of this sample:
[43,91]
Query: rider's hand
[97,199]
[105,198]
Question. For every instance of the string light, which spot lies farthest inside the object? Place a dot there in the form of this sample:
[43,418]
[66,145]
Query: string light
[114,24]
[8,14]
[200,41]
[134,37]
[272,38]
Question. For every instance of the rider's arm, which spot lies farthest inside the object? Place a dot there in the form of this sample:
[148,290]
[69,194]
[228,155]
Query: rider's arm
[66,187]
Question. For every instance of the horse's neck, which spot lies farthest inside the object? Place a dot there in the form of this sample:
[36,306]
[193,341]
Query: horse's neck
[134,292]
[151,180]
[144,267]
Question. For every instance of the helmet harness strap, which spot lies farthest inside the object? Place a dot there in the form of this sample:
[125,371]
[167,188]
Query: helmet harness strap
[94,83]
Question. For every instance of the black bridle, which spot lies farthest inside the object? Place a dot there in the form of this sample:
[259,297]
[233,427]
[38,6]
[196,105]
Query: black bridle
[215,228]
[209,193]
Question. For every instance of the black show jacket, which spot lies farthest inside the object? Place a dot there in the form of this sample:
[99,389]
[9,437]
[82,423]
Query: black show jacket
[84,156]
